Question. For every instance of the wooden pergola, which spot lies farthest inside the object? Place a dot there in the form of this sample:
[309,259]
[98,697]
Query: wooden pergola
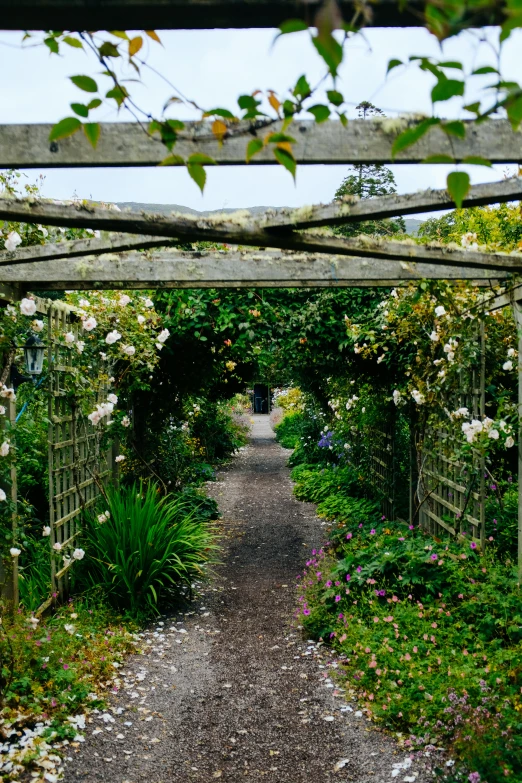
[283,247]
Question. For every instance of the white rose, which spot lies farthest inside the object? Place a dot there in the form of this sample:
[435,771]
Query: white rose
[46,531]
[507,365]
[509,442]
[493,434]
[57,547]
[94,417]
[440,311]
[2,410]
[119,458]
[163,335]
[28,307]
[43,230]
[112,398]
[125,422]
[149,303]
[113,337]
[84,302]
[434,336]
[511,352]
[124,300]
[3,496]
[37,326]
[69,628]
[102,518]
[13,240]
[130,350]
[7,393]
[4,449]
[80,345]
[78,554]
[141,319]
[90,323]
[69,338]
[14,552]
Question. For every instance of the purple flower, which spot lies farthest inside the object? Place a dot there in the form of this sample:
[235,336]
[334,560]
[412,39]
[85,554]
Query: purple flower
[358,569]
[328,584]
[360,525]
[306,610]
[383,518]
[348,536]
[434,557]
[474,777]
[473,545]
[337,599]
[410,527]
[318,574]
[381,593]
[348,577]
[401,538]
[372,532]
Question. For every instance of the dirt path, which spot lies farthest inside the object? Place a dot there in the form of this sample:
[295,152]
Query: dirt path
[232,690]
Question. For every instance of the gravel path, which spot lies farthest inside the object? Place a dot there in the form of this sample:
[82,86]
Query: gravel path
[232,690]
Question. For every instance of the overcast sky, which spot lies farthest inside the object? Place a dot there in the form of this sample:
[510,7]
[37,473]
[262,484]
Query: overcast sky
[214,67]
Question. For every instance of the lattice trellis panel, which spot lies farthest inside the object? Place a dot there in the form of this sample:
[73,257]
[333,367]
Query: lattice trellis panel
[452,493]
[77,465]
[381,461]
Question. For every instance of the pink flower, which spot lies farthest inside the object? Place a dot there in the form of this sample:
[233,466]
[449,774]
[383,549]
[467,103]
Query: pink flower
[375,619]
[348,536]
[434,625]
[372,665]
[337,599]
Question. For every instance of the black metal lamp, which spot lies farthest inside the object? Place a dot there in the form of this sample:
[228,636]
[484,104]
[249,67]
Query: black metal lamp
[34,350]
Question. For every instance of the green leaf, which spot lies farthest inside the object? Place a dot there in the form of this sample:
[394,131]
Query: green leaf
[474,108]
[92,131]
[173,160]
[198,174]
[302,88]
[474,160]
[201,159]
[344,119]
[108,49]
[247,102]
[439,159]
[483,70]
[514,112]
[451,64]
[74,42]
[335,97]
[118,93]
[94,103]
[279,138]
[330,50]
[84,83]
[412,135]
[286,159]
[80,109]
[64,128]
[446,89]
[254,146]
[394,63]
[320,112]
[458,183]
[292,26]
[454,128]
[225,113]
[52,45]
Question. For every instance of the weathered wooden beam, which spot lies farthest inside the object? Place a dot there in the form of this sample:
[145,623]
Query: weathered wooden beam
[340,212]
[81,247]
[238,229]
[362,141]
[206,14]
[184,269]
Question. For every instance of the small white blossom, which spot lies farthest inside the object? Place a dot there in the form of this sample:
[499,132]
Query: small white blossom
[28,307]
[148,303]
[397,397]
[37,326]
[112,398]
[102,518]
[14,552]
[13,240]
[130,350]
[124,300]
[509,442]
[57,547]
[90,323]
[3,496]
[42,231]
[7,393]
[511,352]
[418,397]
[2,410]
[163,335]
[440,310]
[78,554]
[507,365]
[32,621]
[141,319]
[125,422]
[69,338]
[80,346]
[46,531]
[113,337]
[4,448]
[493,434]
[70,628]
[434,336]
[119,458]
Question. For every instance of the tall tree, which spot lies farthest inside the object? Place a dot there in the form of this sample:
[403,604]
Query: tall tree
[369,181]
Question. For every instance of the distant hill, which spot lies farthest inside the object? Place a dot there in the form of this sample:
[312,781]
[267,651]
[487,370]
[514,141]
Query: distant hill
[412,224]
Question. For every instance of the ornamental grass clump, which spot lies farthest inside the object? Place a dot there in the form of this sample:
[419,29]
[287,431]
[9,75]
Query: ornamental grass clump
[143,548]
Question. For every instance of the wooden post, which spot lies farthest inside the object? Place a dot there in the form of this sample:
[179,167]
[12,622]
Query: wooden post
[9,567]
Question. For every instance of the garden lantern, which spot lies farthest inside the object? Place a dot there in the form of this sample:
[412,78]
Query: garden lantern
[34,355]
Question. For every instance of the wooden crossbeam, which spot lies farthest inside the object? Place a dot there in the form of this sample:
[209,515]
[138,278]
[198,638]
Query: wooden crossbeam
[185,269]
[238,229]
[80,247]
[362,141]
[206,14]
[339,212]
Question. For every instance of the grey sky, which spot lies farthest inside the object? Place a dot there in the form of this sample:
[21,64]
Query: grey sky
[214,67]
